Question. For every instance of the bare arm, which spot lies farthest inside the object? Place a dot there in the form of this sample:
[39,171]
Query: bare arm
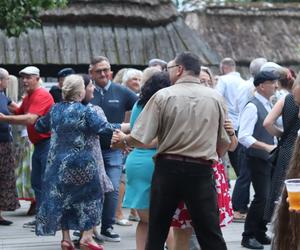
[125,128]
[263,146]
[12,107]
[26,119]
[222,149]
[121,140]
[231,133]
[127,116]
[269,122]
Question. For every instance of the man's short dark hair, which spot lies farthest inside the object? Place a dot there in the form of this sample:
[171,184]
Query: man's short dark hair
[98,59]
[190,62]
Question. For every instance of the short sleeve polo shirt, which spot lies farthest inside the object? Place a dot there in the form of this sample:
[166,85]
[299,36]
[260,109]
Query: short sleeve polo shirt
[114,101]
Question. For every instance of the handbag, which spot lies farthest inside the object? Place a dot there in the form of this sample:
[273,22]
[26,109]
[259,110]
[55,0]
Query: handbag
[273,155]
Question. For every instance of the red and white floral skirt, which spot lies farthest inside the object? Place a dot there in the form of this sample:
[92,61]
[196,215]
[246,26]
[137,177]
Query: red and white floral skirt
[181,218]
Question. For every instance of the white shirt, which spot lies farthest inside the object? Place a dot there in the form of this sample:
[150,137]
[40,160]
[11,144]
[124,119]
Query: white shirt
[228,86]
[248,120]
[245,93]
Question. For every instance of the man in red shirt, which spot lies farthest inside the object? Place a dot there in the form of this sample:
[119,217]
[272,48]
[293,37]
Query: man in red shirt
[36,103]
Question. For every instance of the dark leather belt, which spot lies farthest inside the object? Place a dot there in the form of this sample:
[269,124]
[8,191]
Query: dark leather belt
[182,158]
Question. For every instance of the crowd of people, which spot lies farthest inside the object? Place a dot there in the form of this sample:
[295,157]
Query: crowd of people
[158,142]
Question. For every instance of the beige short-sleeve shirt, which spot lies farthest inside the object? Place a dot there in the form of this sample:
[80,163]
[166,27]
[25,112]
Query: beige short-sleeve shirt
[187,118]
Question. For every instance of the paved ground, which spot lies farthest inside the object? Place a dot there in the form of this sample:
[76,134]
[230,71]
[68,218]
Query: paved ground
[15,237]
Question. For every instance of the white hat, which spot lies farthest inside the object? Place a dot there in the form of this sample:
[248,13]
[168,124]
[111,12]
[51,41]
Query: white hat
[30,70]
[270,66]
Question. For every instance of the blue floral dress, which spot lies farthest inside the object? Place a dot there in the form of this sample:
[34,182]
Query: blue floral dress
[75,180]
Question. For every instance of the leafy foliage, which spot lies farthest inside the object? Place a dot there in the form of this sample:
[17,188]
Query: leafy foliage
[16,16]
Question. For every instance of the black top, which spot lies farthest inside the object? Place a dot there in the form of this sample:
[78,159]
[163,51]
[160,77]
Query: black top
[5,128]
[291,122]
[56,94]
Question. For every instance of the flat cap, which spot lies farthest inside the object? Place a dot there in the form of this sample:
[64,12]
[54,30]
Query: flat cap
[65,72]
[264,76]
[30,70]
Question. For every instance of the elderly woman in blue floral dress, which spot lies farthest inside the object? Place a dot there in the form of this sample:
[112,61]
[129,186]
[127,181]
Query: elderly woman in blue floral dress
[75,180]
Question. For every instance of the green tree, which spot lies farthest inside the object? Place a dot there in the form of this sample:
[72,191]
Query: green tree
[16,16]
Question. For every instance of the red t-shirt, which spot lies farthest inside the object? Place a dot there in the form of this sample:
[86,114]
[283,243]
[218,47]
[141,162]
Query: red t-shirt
[39,102]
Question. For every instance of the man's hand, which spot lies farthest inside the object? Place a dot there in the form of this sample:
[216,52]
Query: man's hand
[269,148]
[2,117]
[118,140]
[117,137]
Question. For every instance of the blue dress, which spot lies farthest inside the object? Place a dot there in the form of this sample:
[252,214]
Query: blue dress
[75,180]
[139,170]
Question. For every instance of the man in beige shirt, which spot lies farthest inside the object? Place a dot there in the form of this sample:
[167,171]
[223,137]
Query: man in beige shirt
[187,119]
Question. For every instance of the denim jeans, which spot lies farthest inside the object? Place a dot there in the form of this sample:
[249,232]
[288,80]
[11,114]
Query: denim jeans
[39,161]
[113,167]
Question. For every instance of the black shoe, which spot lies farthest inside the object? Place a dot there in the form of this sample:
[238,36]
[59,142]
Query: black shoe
[110,235]
[5,222]
[265,240]
[251,243]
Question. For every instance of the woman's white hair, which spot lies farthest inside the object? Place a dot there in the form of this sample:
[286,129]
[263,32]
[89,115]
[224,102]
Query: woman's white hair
[73,88]
[130,73]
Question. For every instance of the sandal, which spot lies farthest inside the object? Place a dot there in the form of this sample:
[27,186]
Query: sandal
[90,246]
[67,245]
[123,222]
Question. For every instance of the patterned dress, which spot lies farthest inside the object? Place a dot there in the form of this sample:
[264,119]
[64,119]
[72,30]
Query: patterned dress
[8,194]
[23,151]
[75,180]
[181,218]
[291,122]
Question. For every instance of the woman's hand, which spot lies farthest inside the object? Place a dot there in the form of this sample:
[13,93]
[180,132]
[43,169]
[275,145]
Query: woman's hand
[230,131]
[117,137]
[118,140]
[229,127]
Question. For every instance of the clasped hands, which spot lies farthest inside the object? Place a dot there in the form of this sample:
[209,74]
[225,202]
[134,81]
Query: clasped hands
[118,140]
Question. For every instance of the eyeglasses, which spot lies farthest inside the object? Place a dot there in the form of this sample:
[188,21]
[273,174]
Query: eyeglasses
[206,82]
[173,66]
[105,70]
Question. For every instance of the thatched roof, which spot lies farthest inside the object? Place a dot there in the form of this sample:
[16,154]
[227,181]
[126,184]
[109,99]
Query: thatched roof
[127,32]
[244,32]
